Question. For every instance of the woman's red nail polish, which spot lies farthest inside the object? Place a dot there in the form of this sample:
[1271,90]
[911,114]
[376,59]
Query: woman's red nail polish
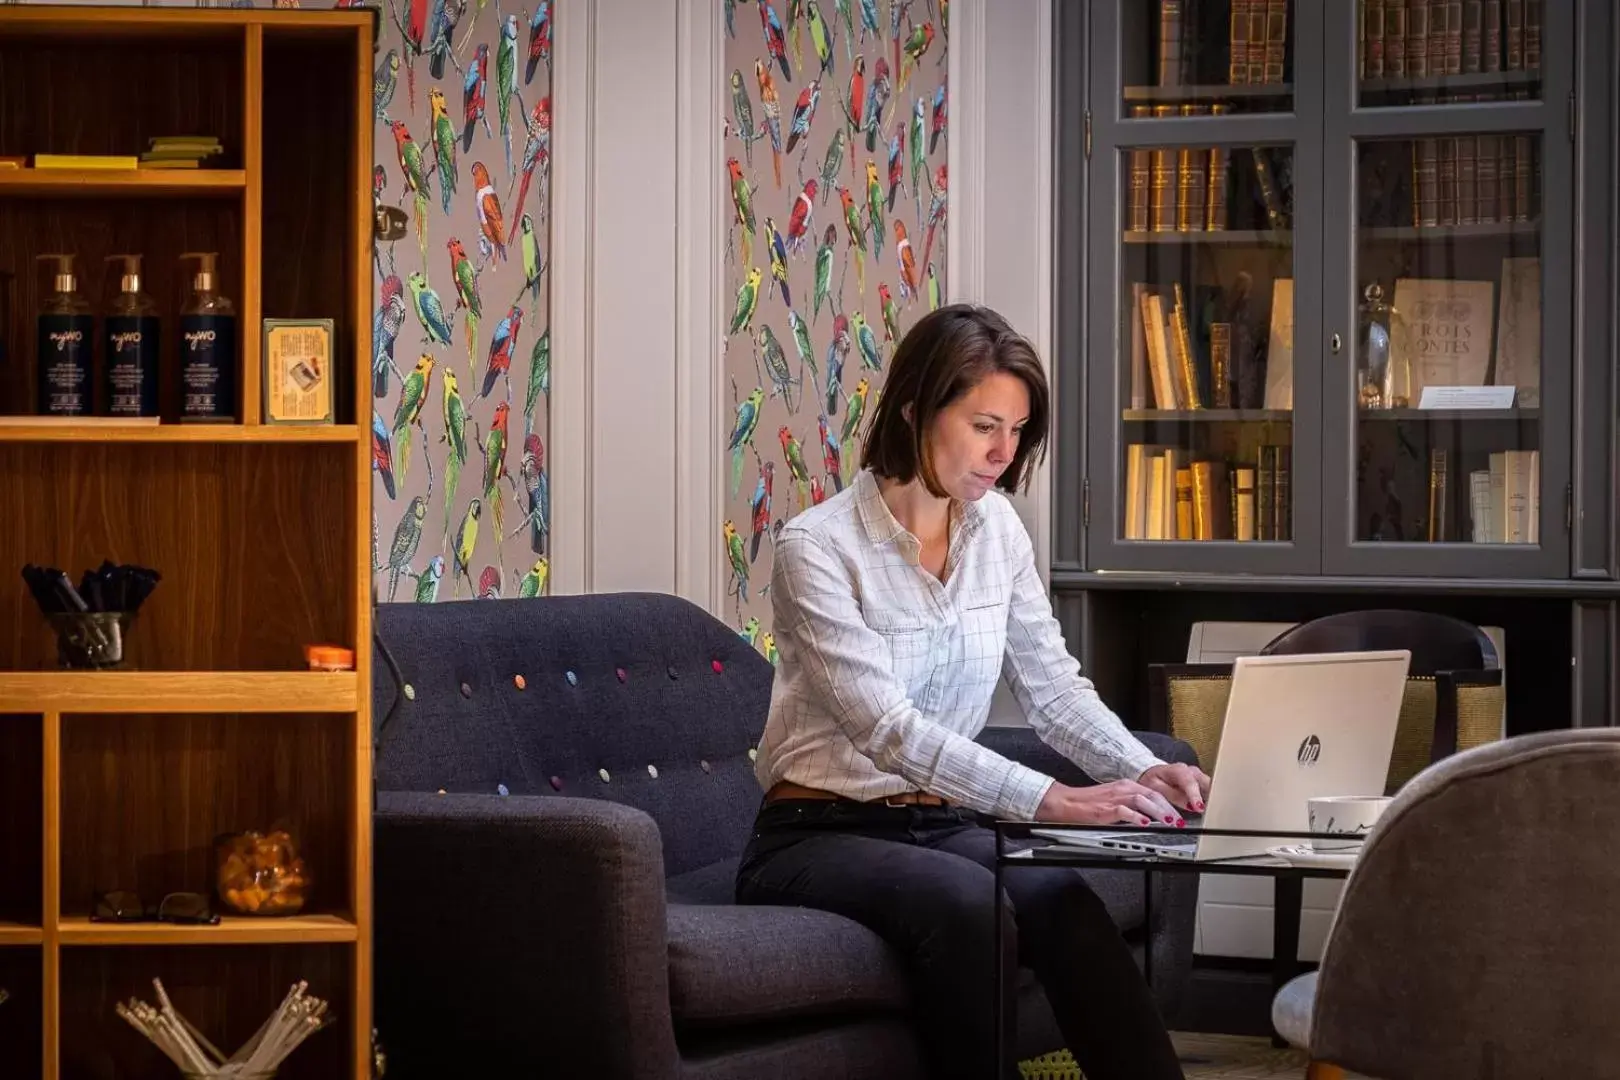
[1168,820]
[1180,824]
[1198,806]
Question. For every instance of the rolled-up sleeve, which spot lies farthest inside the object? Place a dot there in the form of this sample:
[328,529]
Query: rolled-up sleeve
[819,626]
[1061,704]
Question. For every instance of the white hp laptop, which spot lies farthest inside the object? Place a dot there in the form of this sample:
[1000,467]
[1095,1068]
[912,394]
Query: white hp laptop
[1297,727]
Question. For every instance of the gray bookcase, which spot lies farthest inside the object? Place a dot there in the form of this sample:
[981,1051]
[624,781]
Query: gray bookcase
[1336,327]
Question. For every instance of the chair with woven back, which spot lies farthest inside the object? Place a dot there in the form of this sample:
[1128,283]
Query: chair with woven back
[1453,699]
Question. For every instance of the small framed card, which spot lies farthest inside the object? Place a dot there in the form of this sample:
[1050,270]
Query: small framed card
[297,357]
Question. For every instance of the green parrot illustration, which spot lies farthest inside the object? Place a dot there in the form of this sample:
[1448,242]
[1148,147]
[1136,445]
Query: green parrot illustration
[842,10]
[776,368]
[408,413]
[795,12]
[532,266]
[747,302]
[833,161]
[533,582]
[933,288]
[866,341]
[793,454]
[768,646]
[455,433]
[852,428]
[506,81]
[742,113]
[407,538]
[739,563]
[467,298]
[494,449]
[820,36]
[466,544]
[444,147]
[857,237]
[807,355]
[824,266]
[742,433]
[874,208]
[414,168]
[919,157]
[750,631]
[427,584]
[539,379]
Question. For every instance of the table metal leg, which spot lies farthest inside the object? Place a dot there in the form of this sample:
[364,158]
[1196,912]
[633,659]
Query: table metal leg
[1287,902]
[1001,1004]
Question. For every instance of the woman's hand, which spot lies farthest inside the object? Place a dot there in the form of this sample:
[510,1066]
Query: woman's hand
[1184,785]
[1122,801]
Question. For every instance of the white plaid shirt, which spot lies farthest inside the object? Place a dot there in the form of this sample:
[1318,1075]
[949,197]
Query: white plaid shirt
[886,674]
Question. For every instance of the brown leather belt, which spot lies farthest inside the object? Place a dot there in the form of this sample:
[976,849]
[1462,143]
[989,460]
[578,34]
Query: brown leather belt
[786,789]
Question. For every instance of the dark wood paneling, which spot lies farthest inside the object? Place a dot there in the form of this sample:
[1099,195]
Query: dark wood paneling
[307,266]
[21,820]
[157,229]
[145,797]
[21,1015]
[80,96]
[253,543]
[225,992]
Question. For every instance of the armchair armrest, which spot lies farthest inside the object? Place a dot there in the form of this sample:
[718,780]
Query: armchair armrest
[521,937]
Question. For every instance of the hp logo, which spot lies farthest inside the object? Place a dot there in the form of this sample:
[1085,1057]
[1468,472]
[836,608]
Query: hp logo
[1310,751]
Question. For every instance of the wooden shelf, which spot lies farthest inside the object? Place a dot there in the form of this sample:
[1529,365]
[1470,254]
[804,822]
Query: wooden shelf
[1434,234]
[238,930]
[19,934]
[1387,416]
[81,183]
[178,691]
[1193,95]
[103,432]
[1473,82]
[1254,237]
[1208,416]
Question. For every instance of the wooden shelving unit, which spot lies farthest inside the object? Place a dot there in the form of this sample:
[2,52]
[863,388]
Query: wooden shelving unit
[125,779]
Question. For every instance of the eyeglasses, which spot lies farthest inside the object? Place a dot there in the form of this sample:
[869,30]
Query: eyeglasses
[124,906]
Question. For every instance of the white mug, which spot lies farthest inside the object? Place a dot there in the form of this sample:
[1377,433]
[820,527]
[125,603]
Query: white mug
[1350,815]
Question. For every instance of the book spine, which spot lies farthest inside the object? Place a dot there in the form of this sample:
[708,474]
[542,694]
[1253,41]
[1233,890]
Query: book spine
[1435,43]
[1523,166]
[1141,179]
[1491,21]
[1184,505]
[1438,498]
[1473,51]
[1513,39]
[1215,200]
[1447,214]
[1265,492]
[1395,38]
[1276,218]
[1417,39]
[1282,522]
[1170,42]
[1182,344]
[1276,40]
[1220,364]
[1467,180]
[1426,183]
[1485,172]
[1257,42]
[1532,35]
[1192,181]
[1243,504]
[1237,66]
[1454,37]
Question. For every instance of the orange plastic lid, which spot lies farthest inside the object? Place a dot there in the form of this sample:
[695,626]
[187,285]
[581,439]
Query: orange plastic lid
[329,656]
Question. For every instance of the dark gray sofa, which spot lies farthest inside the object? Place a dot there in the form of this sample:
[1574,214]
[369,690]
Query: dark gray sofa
[554,860]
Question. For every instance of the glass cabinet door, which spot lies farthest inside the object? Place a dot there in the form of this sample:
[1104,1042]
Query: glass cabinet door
[1448,413]
[1201,187]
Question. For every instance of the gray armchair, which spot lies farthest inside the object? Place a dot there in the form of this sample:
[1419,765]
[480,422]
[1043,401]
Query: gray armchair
[1476,936]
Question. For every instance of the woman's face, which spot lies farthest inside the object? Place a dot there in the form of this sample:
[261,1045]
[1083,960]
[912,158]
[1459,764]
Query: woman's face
[975,437]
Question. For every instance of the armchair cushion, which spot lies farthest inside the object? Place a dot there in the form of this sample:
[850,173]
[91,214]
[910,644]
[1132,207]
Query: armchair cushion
[732,964]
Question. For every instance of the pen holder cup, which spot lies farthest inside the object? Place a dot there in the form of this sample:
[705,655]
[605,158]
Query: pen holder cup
[91,639]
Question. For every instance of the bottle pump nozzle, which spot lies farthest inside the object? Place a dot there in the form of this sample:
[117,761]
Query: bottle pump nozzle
[63,281]
[130,280]
[203,280]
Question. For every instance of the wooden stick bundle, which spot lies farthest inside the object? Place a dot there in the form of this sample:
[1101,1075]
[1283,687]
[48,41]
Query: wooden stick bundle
[297,1018]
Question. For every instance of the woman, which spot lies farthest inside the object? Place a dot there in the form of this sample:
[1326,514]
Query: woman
[898,605]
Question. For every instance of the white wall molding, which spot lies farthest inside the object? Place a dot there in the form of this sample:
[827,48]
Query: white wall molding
[700,493]
[573,224]
[964,151]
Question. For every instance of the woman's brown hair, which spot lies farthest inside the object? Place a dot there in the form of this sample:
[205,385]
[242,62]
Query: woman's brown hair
[944,355]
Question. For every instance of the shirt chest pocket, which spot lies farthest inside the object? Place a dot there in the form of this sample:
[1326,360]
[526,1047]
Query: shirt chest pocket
[909,638]
[983,619]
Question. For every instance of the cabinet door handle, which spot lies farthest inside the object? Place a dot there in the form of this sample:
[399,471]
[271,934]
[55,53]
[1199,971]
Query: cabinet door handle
[1334,343]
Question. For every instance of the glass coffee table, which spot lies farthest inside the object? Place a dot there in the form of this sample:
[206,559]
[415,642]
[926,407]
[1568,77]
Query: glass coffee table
[1014,850]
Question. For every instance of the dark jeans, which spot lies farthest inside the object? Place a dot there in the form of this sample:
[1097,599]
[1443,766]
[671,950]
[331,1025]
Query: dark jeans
[921,879]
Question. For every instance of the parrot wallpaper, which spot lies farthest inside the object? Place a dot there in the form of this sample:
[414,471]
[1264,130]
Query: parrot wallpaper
[461,343]
[835,162]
